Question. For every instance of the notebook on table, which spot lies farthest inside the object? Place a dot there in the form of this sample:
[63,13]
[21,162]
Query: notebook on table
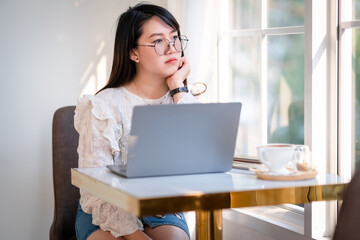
[180,139]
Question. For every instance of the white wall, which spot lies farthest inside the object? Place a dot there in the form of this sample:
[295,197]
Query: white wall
[49,52]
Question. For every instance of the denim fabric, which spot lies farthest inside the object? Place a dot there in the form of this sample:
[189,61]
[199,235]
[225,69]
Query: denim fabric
[84,227]
[175,219]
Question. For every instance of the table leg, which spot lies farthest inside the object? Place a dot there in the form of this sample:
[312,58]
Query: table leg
[209,225]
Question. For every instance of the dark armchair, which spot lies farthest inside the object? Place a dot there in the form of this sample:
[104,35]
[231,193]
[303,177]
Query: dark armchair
[64,147]
[348,223]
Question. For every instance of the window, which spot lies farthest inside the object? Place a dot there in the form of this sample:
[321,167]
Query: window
[261,49]
[261,52]
[277,57]
[297,78]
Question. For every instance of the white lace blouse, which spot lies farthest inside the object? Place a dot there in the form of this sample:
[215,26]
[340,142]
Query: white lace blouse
[103,123]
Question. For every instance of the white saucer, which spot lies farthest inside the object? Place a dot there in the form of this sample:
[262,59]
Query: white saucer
[281,172]
[299,175]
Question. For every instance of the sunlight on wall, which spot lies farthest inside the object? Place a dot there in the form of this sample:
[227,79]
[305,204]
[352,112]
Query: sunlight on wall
[101,74]
[101,47]
[86,73]
[95,77]
[77,3]
[201,29]
[90,86]
[207,50]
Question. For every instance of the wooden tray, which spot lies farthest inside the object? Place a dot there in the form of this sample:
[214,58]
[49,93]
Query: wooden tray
[300,175]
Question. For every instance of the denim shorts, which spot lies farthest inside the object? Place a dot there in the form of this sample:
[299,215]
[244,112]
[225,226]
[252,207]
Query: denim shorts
[84,227]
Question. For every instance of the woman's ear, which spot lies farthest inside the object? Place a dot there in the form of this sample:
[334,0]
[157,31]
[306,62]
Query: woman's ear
[134,56]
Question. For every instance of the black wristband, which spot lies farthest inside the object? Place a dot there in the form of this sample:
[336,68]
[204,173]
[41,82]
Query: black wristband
[177,90]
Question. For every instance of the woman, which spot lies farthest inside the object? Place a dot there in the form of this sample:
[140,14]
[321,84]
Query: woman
[148,68]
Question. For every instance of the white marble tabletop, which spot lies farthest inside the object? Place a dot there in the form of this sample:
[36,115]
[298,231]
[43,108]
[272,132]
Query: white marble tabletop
[186,185]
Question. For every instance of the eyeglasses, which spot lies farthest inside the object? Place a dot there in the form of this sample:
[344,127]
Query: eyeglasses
[162,45]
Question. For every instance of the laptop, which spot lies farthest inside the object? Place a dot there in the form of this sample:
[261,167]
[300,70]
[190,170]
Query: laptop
[178,139]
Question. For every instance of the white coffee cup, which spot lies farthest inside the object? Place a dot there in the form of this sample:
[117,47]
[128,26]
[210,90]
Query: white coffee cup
[276,156]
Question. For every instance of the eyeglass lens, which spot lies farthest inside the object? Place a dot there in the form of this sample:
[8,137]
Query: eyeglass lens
[161,47]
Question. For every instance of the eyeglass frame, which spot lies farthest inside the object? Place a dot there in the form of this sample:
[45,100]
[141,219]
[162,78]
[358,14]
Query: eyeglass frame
[181,38]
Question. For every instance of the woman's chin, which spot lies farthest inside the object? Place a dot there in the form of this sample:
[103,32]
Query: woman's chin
[170,72]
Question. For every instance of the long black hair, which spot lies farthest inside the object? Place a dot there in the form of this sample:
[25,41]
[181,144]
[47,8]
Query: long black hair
[129,29]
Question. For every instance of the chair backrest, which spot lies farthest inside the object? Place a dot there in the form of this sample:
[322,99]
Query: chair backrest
[347,226]
[64,145]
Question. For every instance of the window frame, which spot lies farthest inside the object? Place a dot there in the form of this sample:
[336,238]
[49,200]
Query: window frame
[346,91]
[322,85]
[320,90]
[262,33]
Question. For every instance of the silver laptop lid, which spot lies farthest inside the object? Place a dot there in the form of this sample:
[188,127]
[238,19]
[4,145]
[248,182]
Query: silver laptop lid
[182,139]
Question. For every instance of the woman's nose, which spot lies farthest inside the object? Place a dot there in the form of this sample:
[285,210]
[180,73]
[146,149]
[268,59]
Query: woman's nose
[171,48]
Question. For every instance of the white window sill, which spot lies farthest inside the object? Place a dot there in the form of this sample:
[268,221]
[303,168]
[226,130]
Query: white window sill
[278,222]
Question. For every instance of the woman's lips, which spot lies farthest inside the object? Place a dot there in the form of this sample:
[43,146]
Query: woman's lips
[171,60]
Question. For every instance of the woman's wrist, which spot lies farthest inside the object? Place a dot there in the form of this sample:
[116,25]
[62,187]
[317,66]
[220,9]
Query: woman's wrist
[183,89]
[172,83]
[178,96]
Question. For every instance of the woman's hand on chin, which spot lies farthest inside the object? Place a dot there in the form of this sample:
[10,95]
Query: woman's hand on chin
[176,80]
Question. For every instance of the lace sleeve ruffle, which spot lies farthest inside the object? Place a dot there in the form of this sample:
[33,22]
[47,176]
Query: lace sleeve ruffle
[109,217]
[99,128]
[95,122]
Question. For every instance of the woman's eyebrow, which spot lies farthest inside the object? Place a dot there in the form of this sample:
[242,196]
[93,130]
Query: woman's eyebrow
[160,34]
[156,35]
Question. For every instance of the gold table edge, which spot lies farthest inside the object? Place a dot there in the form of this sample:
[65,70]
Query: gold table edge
[253,198]
[196,202]
[106,192]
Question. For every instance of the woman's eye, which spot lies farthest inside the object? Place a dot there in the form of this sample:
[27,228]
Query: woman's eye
[158,41]
[175,37]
